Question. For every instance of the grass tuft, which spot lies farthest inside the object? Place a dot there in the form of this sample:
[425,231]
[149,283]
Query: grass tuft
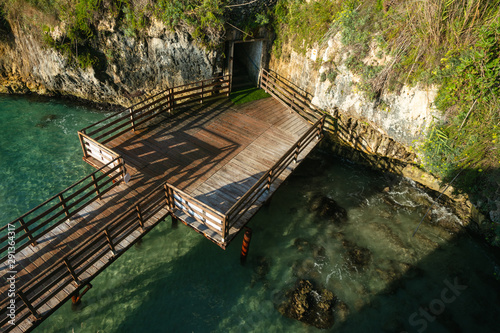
[247,95]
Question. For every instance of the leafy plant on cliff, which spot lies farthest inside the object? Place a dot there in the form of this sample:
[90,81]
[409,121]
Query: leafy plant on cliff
[469,91]
[303,23]
[203,18]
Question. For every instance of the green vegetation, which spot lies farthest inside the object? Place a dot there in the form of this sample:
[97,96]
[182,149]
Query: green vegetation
[247,95]
[78,21]
[452,44]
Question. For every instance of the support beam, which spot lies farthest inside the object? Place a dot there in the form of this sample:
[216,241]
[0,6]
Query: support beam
[246,245]
[77,297]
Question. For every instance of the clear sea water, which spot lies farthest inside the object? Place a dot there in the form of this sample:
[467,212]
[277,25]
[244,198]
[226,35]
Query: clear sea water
[177,281]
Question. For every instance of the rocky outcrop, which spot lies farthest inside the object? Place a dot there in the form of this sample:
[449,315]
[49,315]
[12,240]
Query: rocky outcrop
[313,306]
[328,209]
[127,66]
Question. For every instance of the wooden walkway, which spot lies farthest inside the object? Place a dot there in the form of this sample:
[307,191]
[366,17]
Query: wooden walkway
[211,165]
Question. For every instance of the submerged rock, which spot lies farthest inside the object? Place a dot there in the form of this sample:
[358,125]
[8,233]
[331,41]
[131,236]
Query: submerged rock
[328,209]
[358,256]
[308,304]
[301,244]
[305,269]
[341,311]
[45,120]
[261,269]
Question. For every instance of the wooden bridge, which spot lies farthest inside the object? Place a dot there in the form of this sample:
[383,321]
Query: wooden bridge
[186,152]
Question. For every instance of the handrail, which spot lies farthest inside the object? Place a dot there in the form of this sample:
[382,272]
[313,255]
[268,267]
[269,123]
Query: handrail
[292,97]
[68,270]
[265,182]
[62,206]
[204,214]
[161,102]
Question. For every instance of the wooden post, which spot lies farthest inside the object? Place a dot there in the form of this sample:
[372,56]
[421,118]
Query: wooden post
[80,136]
[96,186]
[169,197]
[132,122]
[77,297]
[110,241]
[172,198]
[202,86]
[268,185]
[230,65]
[28,304]
[297,151]
[26,230]
[139,215]
[225,229]
[171,100]
[246,245]
[320,129]
[65,208]
[72,271]
[122,167]
[175,221]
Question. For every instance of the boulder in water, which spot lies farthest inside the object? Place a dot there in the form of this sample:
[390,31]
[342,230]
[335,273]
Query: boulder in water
[310,305]
[359,256]
[328,209]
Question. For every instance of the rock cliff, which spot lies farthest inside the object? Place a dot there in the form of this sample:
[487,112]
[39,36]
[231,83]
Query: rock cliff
[127,67]
[403,116]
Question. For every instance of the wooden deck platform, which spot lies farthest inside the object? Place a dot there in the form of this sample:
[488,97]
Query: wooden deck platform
[210,165]
[213,153]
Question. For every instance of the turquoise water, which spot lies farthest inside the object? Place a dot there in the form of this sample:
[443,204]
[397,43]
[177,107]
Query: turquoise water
[177,281]
[40,153]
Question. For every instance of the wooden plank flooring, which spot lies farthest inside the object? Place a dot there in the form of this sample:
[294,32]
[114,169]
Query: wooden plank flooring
[214,152]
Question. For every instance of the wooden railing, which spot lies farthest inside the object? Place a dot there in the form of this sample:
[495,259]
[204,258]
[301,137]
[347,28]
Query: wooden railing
[78,266]
[204,214]
[289,94]
[148,110]
[98,151]
[34,224]
[266,181]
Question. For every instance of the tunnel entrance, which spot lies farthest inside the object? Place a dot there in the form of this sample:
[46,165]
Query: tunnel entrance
[244,63]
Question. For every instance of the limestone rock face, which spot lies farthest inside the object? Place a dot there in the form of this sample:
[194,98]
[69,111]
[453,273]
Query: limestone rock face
[404,116]
[127,68]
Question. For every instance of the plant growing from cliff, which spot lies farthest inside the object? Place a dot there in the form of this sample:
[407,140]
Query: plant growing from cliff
[203,18]
[469,91]
[303,23]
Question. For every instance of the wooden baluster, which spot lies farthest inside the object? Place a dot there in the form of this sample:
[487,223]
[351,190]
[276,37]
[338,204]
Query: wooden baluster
[65,208]
[26,230]
[132,122]
[139,215]
[96,186]
[110,241]
[72,271]
[28,304]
